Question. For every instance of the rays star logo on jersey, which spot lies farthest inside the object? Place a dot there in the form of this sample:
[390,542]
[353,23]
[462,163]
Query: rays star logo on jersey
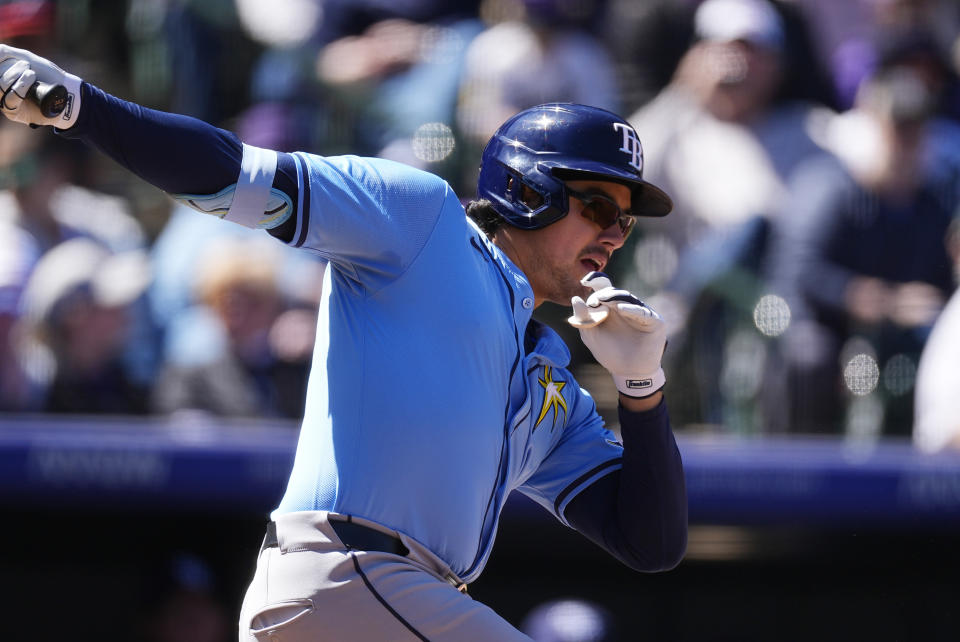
[631,145]
[552,397]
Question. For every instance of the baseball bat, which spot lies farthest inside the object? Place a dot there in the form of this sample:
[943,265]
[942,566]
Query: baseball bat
[51,99]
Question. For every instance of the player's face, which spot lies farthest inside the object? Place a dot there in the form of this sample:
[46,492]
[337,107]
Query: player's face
[556,257]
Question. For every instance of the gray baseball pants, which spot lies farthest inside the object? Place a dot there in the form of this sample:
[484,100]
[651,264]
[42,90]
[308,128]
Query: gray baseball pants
[310,586]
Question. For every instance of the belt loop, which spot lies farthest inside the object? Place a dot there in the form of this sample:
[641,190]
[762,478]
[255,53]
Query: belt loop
[270,538]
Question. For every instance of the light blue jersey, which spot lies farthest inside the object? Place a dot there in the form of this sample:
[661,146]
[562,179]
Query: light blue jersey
[424,410]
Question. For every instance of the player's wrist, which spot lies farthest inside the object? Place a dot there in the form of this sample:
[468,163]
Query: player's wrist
[640,386]
[71,113]
[641,404]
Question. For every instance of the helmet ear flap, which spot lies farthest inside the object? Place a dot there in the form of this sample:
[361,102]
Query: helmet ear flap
[521,193]
[539,193]
[530,200]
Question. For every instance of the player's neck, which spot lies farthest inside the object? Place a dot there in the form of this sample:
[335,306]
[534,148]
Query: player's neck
[504,240]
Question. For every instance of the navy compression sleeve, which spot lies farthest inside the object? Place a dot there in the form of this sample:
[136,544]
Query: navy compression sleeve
[178,154]
[639,513]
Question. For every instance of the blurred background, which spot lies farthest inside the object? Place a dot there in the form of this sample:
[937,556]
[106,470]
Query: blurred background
[153,361]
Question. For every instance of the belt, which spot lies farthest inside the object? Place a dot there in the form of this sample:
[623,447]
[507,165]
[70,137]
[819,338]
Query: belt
[353,535]
[362,538]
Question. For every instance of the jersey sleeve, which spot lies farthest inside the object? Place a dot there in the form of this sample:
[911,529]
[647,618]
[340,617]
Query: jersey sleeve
[638,513]
[368,217]
[629,499]
[586,452]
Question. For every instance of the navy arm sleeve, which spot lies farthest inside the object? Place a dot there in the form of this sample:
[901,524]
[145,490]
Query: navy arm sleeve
[639,513]
[178,154]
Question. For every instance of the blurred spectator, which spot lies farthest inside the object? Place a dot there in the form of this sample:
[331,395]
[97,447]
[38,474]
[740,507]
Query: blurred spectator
[569,620]
[288,109]
[49,190]
[532,52]
[43,194]
[75,327]
[868,33]
[861,257]
[351,17]
[915,51]
[258,364]
[44,198]
[188,56]
[395,71]
[649,39]
[723,138]
[720,135]
[918,49]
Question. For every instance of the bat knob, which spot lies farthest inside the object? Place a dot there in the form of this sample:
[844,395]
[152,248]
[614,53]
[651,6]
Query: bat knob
[51,99]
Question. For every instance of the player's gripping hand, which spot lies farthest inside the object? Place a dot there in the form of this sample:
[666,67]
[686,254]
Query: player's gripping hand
[624,335]
[19,70]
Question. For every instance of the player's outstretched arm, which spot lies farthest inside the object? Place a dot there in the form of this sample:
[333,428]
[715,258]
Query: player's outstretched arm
[181,155]
[638,513]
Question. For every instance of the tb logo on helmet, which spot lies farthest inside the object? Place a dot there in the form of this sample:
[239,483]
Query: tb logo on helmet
[631,145]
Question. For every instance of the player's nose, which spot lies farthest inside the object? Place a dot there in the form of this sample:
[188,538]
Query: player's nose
[612,237]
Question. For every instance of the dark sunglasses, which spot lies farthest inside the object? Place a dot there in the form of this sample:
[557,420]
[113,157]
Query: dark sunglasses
[604,211]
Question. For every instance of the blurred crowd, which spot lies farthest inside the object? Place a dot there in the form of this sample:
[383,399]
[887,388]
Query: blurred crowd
[812,149]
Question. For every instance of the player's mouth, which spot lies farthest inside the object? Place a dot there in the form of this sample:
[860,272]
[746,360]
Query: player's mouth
[593,263]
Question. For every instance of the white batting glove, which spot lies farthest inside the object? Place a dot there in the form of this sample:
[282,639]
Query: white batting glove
[624,335]
[19,70]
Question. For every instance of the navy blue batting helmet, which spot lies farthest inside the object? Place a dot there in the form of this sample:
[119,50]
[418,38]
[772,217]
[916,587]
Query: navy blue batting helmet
[542,146]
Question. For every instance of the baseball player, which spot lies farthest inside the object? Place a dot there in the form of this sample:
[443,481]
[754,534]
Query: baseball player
[433,393]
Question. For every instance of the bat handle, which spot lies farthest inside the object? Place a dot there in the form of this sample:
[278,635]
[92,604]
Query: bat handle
[51,99]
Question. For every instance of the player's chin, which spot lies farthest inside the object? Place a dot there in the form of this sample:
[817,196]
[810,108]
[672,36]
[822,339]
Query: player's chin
[576,288]
[565,289]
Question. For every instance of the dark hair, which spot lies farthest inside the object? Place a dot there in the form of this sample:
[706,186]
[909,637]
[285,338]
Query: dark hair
[483,214]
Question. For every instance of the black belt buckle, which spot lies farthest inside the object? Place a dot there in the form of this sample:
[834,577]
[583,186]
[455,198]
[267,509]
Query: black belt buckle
[363,538]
